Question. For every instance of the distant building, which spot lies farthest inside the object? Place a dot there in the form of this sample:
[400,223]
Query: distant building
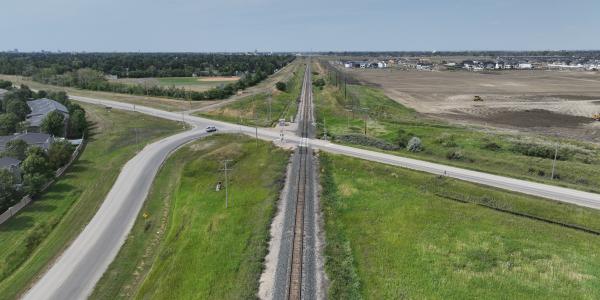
[382,64]
[40,108]
[41,140]
[424,67]
[13,166]
[525,66]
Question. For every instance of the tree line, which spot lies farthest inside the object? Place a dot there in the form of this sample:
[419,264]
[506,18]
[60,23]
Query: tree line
[88,71]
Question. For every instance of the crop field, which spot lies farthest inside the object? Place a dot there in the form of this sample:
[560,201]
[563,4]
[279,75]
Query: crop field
[39,233]
[393,233]
[198,84]
[391,125]
[551,102]
[246,110]
[189,246]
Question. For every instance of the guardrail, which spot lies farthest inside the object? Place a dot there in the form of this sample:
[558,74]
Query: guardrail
[13,210]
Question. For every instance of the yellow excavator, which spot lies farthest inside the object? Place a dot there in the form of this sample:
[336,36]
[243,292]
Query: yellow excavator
[596,117]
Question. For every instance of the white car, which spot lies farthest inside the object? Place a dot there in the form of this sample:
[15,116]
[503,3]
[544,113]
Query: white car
[211,129]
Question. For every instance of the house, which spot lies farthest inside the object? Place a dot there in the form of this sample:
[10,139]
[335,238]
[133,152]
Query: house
[40,108]
[524,66]
[13,166]
[41,140]
[424,66]
[382,64]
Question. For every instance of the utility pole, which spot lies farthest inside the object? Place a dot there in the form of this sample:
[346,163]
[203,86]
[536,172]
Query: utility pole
[256,127]
[226,169]
[348,110]
[324,128]
[270,117]
[554,162]
[366,111]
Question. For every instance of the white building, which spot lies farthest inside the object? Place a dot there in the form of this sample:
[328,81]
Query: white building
[525,66]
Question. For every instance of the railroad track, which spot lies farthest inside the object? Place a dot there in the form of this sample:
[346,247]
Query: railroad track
[302,191]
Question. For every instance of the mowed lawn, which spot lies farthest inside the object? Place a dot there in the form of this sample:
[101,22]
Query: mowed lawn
[34,237]
[390,237]
[207,251]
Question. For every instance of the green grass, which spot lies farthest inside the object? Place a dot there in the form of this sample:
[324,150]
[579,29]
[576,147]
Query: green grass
[207,251]
[389,236]
[389,121]
[34,237]
[283,105]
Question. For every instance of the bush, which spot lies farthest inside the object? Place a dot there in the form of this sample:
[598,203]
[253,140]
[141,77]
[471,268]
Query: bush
[446,140]
[320,83]
[491,146]
[414,145]
[4,84]
[455,155]
[281,86]
[403,138]
[59,154]
[360,139]
[539,150]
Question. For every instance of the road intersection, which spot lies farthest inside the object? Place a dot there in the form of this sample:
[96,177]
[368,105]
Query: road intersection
[77,270]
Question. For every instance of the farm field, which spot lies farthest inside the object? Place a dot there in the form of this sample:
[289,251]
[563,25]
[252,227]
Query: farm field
[34,237]
[394,233]
[190,245]
[245,110]
[198,84]
[391,125]
[551,102]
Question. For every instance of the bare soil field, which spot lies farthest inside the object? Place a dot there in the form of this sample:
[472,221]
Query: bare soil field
[552,102]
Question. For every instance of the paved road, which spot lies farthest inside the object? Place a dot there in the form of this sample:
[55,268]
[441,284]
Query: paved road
[76,272]
[78,269]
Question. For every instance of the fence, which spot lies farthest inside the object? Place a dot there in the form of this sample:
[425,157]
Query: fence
[11,211]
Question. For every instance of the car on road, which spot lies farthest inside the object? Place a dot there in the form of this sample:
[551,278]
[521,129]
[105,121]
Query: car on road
[211,129]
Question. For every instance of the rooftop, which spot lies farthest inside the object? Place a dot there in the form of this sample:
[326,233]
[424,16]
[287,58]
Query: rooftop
[40,108]
[6,162]
[42,140]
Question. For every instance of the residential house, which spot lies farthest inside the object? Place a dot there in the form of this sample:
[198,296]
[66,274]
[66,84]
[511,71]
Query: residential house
[13,166]
[40,109]
[41,140]
[525,66]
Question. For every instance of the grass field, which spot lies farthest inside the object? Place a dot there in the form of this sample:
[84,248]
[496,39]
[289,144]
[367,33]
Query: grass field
[468,147]
[244,111]
[33,238]
[390,236]
[207,251]
[198,84]
[155,102]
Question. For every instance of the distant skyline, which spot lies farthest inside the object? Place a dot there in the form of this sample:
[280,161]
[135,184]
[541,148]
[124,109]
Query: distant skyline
[309,25]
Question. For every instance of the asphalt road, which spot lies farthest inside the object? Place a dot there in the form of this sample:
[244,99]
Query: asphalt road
[77,270]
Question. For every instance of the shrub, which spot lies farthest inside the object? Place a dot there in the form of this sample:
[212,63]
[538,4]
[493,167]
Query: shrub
[360,139]
[454,155]
[403,138]
[414,145]
[320,83]
[446,140]
[540,150]
[491,146]
[281,86]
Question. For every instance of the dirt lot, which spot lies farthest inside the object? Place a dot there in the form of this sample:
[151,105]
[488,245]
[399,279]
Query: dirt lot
[552,102]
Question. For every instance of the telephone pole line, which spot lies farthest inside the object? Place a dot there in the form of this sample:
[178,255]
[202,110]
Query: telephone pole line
[226,169]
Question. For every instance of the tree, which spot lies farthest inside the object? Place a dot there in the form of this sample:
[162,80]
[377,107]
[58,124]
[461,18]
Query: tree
[19,108]
[54,124]
[414,145]
[8,191]
[17,149]
[5,84]
[59,154]
[36,170]
[8,123]
[281,86]
[77,123]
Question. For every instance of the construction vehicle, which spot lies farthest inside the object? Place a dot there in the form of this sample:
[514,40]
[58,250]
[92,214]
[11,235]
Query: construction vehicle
[477,99]
[596,117]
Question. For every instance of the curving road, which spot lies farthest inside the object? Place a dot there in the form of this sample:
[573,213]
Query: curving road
[77,270]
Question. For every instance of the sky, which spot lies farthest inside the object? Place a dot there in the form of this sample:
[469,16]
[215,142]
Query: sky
[308,25]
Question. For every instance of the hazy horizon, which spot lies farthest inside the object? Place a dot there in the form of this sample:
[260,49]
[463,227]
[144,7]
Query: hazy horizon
[310,26]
